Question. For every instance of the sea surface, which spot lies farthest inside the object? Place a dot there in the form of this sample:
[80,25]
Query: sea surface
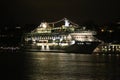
[58,66]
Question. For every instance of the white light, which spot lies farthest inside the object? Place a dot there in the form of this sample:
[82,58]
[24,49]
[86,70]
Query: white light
[44,25]
[61,39]
[72,42]
[18,27]
[66,22]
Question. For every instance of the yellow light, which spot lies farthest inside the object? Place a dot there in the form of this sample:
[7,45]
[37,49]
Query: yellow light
[110,31]
[102,30]
[44,25]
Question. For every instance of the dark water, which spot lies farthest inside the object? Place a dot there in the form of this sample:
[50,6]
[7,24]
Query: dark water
[59,66]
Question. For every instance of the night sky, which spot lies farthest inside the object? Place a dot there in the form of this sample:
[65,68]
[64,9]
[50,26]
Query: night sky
[80,11]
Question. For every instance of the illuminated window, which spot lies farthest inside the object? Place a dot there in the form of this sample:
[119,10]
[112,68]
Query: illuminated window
[105,46]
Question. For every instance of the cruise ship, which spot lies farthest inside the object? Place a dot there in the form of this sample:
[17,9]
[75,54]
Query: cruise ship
[68,37]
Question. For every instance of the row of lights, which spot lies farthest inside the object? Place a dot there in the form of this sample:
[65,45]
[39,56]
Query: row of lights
[9,48]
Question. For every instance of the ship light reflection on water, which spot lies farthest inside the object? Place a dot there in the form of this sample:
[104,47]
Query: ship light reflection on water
[64,66]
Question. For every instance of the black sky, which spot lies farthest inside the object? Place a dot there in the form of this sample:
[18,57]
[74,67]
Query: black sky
[35,11]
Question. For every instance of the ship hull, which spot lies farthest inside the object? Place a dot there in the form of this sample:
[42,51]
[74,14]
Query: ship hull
[82,47]
[78,47]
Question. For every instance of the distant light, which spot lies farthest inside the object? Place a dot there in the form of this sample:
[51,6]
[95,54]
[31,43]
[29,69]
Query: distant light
[118,22]
[18,27]
[110,31]
[84,28]
[102,30]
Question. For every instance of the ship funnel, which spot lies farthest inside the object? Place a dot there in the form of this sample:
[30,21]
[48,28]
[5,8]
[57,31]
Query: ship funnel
[66,22]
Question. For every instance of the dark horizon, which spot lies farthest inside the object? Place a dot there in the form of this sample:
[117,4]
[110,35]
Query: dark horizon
[79,11]
[28,14]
